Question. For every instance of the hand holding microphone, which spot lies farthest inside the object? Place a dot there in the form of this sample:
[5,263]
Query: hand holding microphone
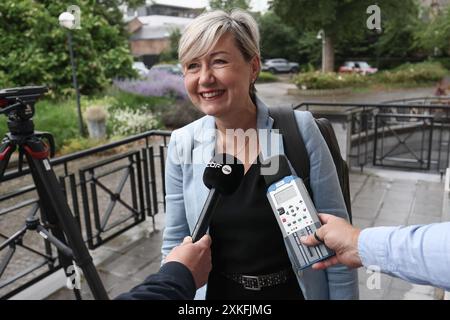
[223,175]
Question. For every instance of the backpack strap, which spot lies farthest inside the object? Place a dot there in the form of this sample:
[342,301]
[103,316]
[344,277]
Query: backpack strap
[294,147]
[295,150]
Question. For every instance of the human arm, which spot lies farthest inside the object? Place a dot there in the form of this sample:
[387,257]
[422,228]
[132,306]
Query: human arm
[187,268]
[418,254]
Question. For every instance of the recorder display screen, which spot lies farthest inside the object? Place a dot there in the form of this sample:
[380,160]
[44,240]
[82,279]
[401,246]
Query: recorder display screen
[285,195]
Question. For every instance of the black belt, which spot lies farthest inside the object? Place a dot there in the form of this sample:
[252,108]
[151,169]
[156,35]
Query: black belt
[261,281]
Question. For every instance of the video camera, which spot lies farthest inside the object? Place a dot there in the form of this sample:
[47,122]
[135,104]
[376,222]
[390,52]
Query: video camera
[18,103]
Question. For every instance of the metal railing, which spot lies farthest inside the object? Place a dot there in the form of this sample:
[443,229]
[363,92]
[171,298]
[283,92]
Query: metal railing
[110,189]
[400,135]
[430,100]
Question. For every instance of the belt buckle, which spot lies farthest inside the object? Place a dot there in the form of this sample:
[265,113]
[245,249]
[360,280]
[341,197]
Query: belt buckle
[251,283]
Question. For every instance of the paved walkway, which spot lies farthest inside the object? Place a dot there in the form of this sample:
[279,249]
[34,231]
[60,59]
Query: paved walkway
[385,198]
[276,94]
[379,197]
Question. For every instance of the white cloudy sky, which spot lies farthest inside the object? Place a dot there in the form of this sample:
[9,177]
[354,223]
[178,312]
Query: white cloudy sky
[256,5]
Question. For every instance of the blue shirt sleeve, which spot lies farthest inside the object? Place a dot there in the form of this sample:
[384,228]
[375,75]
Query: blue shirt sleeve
[418,254]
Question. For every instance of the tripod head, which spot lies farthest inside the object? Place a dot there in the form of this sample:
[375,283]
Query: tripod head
[18,105]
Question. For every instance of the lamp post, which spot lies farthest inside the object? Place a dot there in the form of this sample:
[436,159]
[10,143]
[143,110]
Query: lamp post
[321,35]
[67,20]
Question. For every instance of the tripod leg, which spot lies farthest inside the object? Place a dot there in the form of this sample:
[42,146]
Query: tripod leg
[6,150]
[59,244]
[73,277]
[55,237]
[51,194]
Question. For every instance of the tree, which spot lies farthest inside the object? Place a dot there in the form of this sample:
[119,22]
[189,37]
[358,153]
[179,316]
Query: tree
[34,47]
[277,39]
[435,36]
[228,5]
[339,19]
[171,53]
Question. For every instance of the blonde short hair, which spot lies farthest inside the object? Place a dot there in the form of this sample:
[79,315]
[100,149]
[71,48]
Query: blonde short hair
[202,34]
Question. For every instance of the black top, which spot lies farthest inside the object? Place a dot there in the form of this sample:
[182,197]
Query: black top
[247,240]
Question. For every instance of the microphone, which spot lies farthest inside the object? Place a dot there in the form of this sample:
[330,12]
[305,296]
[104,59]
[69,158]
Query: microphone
[223,175]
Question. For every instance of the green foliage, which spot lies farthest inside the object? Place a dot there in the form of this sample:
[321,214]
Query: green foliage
[35,49]
[406,75]
[178,114]
[310,49]
[277,39]
[436,34]
[124,105]
[127,121]
[266,77]
[171,54]
[228,5]
[418,73]
[126,100]
[397,39]
[339,19]
[4,82]
[328,80]
[78,144]
[57,117]
[344,24]
[444,61]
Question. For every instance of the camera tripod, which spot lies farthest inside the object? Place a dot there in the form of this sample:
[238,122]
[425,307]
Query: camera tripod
[18,105]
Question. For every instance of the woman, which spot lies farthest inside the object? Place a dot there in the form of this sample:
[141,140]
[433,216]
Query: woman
[220,56]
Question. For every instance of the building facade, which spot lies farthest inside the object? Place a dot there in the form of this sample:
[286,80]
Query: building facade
[151,25]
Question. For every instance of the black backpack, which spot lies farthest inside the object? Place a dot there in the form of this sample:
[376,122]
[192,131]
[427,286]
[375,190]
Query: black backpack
[295,149]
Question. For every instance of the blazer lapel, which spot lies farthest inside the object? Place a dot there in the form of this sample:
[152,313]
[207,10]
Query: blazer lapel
[270,140]
[204,144]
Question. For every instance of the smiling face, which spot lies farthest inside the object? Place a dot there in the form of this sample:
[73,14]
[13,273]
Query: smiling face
[218,83]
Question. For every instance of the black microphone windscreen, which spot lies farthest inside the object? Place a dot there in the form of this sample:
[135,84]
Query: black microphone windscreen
[224,173]
[279,166]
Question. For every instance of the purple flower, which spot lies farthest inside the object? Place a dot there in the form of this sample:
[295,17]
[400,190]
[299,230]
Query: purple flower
[157,83]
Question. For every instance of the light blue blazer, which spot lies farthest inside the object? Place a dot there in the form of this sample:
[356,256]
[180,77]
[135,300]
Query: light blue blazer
[190,149]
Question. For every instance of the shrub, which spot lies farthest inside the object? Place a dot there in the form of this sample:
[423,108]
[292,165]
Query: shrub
[179,114]
[444,61]
[331,80]
[127,122]
[126,100]
[58,118]
[79,144]
[266,77]
[407,74]
[157,83]
[417,73]
[4,83]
